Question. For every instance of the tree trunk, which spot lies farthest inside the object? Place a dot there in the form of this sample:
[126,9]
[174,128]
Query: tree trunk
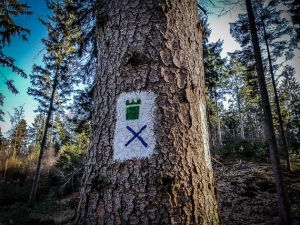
[282,198]
[15,143]
[282,131]
[240,112]
[220,139]
[211,138]
[293,98]
[6,166]
[43,143]
[149,161]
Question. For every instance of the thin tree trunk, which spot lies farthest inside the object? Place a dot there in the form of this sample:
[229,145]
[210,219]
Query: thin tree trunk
[6,165]
[218,121]
[285,144]
[293,99]
[15,143]
[211,138]
[149,161]
[240,113]
[43,144]
[282,198]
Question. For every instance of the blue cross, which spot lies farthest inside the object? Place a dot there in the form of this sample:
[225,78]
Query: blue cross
[136,135]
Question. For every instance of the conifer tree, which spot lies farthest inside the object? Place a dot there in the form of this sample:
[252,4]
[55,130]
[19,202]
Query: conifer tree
[19,139]
[285,216]
[35,131]
[19,113]
[282,130]
[294,10]
[4,154]
[289,92]
[271,28]
[82,107]
[15,134]
[10,9]
[60,66]
[213,72]
[235,85]
[147,47]
[214,75]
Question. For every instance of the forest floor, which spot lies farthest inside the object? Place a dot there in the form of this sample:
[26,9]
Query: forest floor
[246,195]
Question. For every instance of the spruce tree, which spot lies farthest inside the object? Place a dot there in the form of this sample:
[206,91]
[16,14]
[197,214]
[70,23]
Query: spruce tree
[285,216]
[16,134]
[214,75]
[19,139]
[35,131]
[148,161]
[10,9]
[60,68]
[271,28]
[289,92]
[294,10]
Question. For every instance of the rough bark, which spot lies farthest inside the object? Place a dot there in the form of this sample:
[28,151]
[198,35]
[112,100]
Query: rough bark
[282,198]
[150,46]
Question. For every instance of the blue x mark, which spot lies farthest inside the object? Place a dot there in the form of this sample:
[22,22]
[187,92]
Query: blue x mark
[136,135]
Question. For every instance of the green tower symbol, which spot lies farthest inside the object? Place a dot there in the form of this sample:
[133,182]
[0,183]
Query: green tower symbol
[133,109]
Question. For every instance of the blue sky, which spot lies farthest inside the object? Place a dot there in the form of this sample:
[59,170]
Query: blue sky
[27,54]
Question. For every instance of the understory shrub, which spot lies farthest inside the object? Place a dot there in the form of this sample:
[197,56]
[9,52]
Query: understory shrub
[235,147]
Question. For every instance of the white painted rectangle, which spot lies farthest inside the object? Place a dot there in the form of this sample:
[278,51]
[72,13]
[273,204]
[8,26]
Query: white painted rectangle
[134,134]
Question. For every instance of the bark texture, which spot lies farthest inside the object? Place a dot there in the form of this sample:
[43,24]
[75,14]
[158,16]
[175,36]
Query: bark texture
[151,46]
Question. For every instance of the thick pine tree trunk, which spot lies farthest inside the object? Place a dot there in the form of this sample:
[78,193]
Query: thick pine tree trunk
[151,166]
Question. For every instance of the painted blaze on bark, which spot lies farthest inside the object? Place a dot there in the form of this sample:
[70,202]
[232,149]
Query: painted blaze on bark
[150,47]
[134,132]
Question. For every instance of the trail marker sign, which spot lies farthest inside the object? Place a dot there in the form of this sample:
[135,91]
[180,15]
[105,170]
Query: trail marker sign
[134,133]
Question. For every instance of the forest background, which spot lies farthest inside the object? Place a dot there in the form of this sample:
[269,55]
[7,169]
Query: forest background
[235,117]
[27,53]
